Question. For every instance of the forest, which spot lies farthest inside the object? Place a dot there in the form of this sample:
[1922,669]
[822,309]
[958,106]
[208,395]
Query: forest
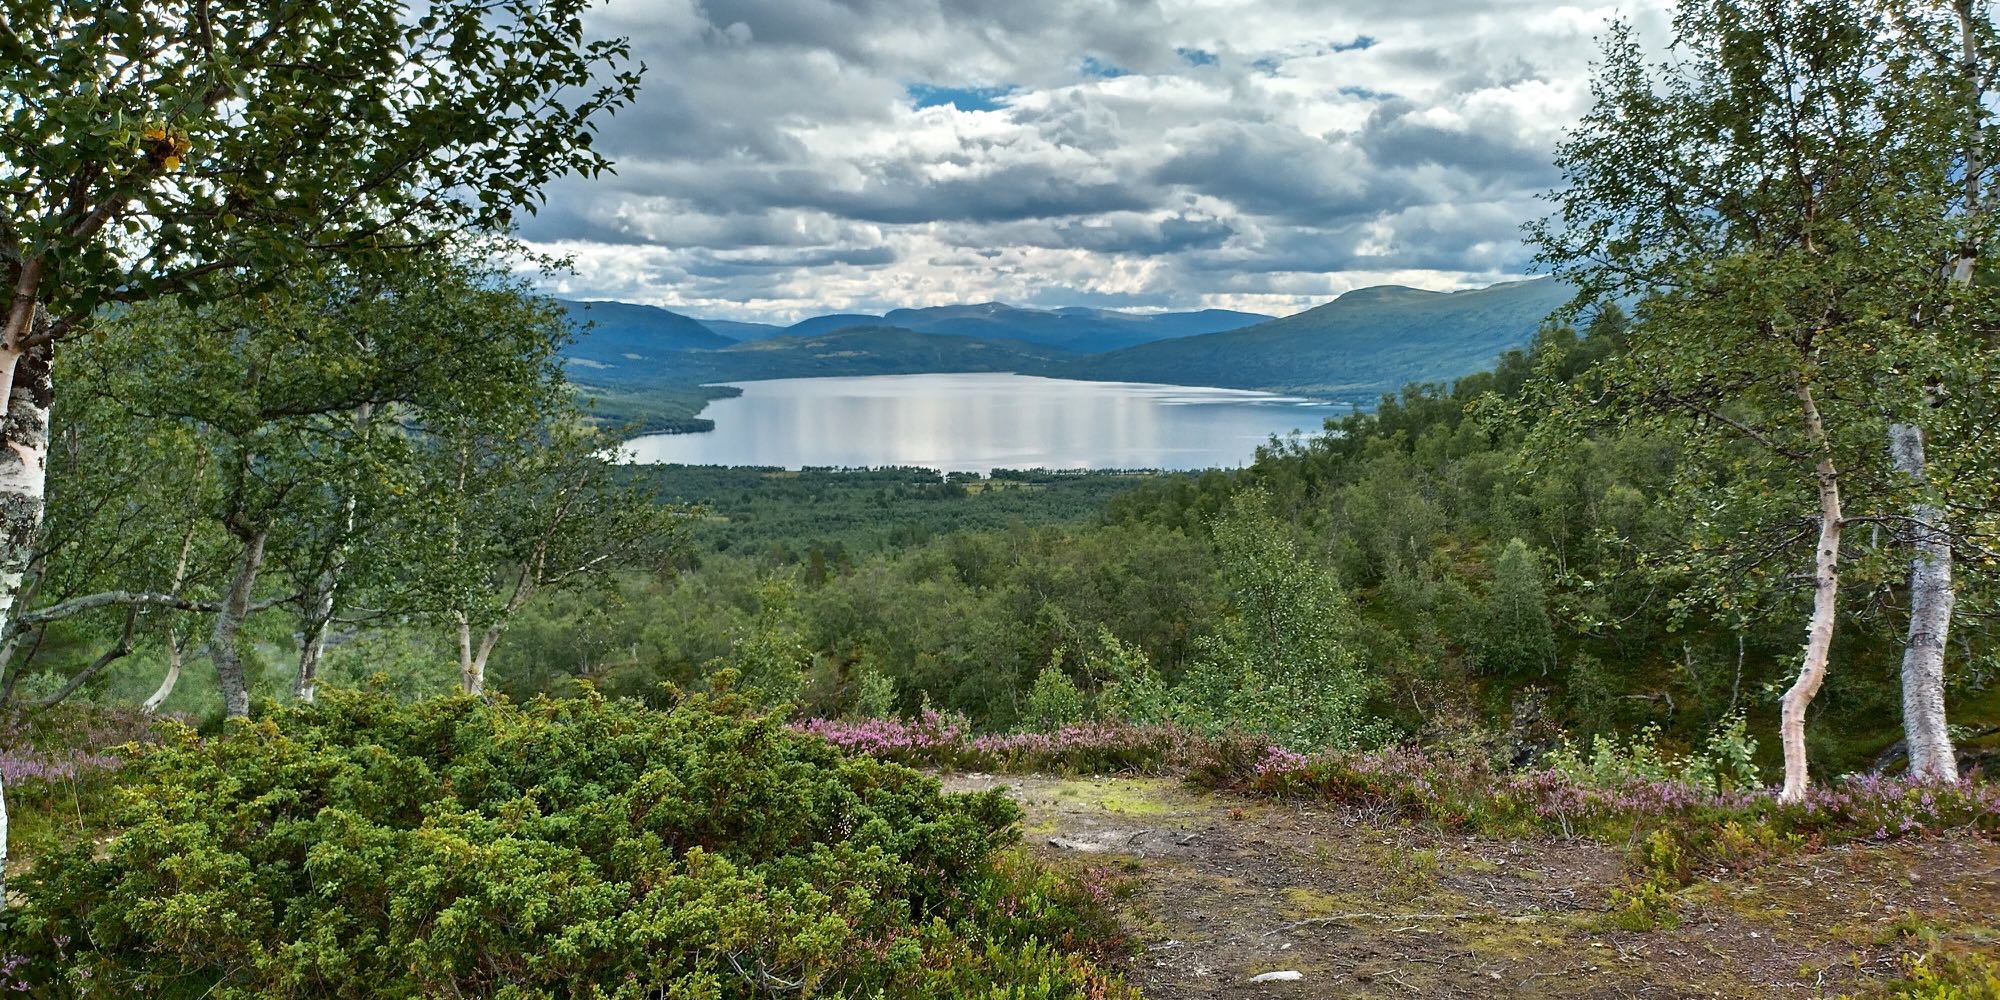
[341,657]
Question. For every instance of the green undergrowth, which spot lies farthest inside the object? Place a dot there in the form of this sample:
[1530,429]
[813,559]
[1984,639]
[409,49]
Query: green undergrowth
[563,848]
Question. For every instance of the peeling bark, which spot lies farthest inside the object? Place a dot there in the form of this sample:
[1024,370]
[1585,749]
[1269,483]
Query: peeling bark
[223,648]
[25,379]
[24,445]
[1931,599]
[1826,593]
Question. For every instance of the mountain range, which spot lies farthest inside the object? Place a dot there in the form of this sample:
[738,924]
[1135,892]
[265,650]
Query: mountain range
[1365,343]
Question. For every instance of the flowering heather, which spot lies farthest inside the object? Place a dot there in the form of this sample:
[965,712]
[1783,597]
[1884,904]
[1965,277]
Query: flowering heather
[936,741]
[67,743]
[1464,792]
[1456,790]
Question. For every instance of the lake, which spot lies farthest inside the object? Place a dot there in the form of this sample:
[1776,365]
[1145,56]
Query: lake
[981,422]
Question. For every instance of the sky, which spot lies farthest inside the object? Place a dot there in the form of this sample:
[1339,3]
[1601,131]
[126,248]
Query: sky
[787,158]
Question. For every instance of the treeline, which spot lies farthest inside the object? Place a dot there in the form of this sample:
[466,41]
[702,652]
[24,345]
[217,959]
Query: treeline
[1426,571]
[270,377]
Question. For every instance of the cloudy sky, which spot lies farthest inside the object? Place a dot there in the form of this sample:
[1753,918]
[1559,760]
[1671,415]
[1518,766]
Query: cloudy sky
[791,157]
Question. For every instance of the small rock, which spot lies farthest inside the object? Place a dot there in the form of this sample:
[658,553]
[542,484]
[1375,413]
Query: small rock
[1277,977]
[1075,845]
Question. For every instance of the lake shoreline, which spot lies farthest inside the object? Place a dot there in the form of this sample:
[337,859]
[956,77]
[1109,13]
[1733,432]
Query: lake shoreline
[979,421]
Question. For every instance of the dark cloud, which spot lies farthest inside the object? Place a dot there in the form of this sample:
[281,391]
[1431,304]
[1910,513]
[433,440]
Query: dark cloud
[793,154]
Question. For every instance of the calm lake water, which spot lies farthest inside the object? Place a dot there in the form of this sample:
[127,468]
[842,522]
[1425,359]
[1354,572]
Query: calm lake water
[980,422]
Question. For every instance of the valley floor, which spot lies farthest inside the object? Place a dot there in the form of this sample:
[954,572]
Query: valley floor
[1216,889]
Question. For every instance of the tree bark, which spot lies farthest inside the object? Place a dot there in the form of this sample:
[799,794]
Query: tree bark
[25,378]
[118,651]
[1932,757]
[465,677]
[173,677]
[1826,594]
[1932,595]
[475,675]
[223,648]
[313,642]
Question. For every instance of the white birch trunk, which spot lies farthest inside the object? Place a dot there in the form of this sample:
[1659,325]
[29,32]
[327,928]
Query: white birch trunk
[1932,595]
[1932,756]
[475,674]
[174,639]
[1826,594]
[166,689]
[3,845]
[305,686]
[24,445]
[223,648]
[465,678]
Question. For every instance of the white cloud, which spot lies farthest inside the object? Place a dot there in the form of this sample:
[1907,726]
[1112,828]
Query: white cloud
[1261,154]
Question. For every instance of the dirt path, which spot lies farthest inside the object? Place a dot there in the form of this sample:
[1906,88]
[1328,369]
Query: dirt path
[1222,889]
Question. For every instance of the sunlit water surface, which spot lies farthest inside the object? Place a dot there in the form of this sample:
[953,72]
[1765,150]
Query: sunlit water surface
[980,422]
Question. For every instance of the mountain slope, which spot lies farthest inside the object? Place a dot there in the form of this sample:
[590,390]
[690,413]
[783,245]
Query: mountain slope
[867,350]
[827,324]
[743,331]
[1084,331]
[1367,342]
[616,334]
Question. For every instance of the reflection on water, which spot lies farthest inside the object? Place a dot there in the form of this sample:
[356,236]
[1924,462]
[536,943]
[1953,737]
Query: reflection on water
[980,422]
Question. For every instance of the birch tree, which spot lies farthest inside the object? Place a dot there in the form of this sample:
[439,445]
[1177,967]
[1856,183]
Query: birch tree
[535,512]
[150,149]
[146,148]
[307,404]
[1778,205]
[1955,47]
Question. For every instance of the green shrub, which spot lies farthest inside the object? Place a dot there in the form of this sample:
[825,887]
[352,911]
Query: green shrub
[874,695]
[1132,690]
[580,848]
[1053,701]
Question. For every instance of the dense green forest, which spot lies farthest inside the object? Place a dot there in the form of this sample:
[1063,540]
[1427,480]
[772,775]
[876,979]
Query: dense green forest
[1485,587]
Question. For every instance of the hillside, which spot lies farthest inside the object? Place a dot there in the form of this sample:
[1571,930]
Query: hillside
[1367,342]
[1083,331]
[743,331]
[1353,349]
[617,333]
[866,350]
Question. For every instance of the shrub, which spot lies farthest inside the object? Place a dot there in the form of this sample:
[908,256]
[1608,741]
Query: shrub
[581,848]
[874,695]
[1053,701]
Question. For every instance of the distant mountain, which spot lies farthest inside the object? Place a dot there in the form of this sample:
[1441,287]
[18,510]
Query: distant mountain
[1084,331]
[827,324]
[865,350]
[1364,343]
[620,334]
[742,331]
[1355,348]
[1167,325]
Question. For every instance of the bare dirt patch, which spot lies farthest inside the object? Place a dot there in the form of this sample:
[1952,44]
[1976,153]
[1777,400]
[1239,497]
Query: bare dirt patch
[1219,889]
